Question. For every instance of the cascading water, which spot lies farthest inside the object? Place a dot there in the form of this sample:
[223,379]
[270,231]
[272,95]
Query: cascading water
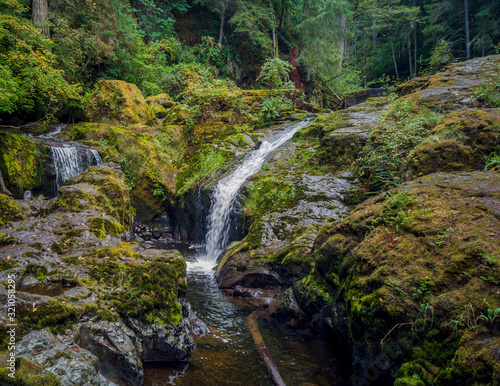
[226,191]
[71,161]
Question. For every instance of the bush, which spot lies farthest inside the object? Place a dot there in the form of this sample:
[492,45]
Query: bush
[273,107]
[391,143]
[30,82]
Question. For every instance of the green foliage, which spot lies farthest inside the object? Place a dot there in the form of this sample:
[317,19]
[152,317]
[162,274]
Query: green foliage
[441,55]
[490,317]
[273,107]
[97,39]
[274,73]
[492,162]
[205,166]
[269,194]
[392,142]
[488,94]
[30,82]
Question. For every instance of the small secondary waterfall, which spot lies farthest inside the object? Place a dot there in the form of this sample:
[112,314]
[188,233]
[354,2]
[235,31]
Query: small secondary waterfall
[226,191]
[71,161]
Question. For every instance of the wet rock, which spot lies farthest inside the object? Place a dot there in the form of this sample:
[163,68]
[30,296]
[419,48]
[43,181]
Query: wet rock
[371,273]
[164,342]
[117,348]
[451,88]
[70,365]
[288,310]
[157,232]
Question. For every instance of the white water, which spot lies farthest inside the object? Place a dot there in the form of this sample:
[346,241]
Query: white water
[57,130]
[226,191]
[71,161]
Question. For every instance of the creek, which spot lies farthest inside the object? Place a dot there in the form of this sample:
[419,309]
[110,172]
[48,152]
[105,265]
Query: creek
[228,355]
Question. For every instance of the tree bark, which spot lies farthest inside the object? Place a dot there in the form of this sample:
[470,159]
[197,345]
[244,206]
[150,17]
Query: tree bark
[273,20]
[415,49]
[394,58]
[467,33]
[40,15]
[222,16]
[410,61]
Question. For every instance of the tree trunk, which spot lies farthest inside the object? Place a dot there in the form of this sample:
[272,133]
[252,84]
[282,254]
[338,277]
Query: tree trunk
[342,43]
[410,61]
[40,15]
[273,20]
[415,49]
[394,58]
[3,188]
[467,33]
[304,6]
[222,16]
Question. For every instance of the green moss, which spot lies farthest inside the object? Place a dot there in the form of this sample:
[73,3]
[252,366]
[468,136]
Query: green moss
[116,100]
[10,211]
[6,239]
[7,264]
[21,162]
[27,373]
[53,315]
[147,290]
[102,227]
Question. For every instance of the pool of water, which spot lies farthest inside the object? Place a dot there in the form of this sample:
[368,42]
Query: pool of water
[228,356]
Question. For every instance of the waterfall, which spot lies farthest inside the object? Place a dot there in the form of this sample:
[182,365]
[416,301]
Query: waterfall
[226,191]
[71,161]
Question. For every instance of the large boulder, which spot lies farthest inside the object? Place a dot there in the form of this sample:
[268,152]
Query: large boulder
[410,272]
[115,302]
[117,101]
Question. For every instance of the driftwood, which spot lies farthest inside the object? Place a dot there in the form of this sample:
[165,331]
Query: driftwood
[261,347]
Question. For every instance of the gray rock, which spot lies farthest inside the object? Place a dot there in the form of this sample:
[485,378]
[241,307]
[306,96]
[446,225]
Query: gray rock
[117,348]
[72,365]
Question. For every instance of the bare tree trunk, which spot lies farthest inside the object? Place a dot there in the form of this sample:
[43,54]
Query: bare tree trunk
[3,188]
[394,58]
[273,20]
[222,16]
[364,65]
[410,61]
[415,49]
[304,6]
[342,43]
[467,33]
[40,16]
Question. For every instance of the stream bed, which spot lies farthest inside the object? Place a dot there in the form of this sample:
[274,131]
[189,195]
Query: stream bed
[228,356]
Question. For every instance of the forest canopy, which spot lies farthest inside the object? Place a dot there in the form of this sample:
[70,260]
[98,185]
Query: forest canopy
[52,52]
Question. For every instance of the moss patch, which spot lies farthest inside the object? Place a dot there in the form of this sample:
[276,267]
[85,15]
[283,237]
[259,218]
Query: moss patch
[21,162]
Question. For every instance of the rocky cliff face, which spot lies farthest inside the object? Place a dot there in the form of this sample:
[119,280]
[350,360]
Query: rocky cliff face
[89,304]
[408,281]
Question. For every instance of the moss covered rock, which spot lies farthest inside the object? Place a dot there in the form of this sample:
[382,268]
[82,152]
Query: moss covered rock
[98,187]
[407,270]
[21,162]
[462,141]
[117,101]
[10,211]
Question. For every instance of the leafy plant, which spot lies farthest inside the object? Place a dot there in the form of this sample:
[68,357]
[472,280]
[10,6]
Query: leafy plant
[274,73]
[490,317]
[273,107]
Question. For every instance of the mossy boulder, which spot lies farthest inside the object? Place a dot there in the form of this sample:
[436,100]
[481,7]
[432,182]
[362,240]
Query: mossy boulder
[161,99]
[462,141]
[21,162]
[10,211]
[28,373]
[452,88]
[98,187]
[402,276]
[117,101]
